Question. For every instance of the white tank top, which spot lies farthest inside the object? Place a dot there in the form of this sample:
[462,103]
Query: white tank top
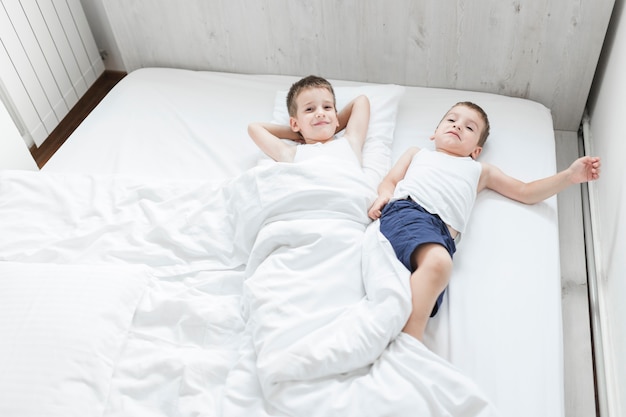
[339,149]
[443,184]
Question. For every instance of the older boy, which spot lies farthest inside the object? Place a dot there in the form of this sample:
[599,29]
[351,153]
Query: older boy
[313,120]
[425,200]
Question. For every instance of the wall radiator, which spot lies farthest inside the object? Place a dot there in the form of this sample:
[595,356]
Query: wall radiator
[48,60]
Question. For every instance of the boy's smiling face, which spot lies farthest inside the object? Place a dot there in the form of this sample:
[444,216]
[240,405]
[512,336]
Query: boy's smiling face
[316,116]
[459,131]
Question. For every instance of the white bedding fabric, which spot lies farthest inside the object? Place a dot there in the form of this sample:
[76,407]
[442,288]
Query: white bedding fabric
[147,180]
[62,329]
[317,329]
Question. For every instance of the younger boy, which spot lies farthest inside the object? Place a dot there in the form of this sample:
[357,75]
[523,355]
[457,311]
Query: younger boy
[313,119]
[425,200]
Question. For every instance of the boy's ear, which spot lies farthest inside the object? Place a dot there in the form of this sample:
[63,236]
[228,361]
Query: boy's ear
[477,150]
[293,123]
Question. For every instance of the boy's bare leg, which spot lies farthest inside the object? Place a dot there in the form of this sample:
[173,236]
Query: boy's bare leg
[431,277]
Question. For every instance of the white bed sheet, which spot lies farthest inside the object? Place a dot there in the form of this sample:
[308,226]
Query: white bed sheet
[501,322]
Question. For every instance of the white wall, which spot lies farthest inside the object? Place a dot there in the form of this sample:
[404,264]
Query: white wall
[607,109]
[99,23]
[15,153]
[545,51]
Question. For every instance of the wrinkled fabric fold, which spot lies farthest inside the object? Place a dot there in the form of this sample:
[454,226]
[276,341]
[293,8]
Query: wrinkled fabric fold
[273,293]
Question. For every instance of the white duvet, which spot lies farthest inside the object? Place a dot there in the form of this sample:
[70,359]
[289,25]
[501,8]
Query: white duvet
[271,294]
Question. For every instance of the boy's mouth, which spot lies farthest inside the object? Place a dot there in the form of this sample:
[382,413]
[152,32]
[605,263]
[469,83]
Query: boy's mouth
[452,132]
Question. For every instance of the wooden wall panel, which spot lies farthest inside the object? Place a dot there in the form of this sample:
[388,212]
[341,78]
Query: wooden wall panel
[543,50]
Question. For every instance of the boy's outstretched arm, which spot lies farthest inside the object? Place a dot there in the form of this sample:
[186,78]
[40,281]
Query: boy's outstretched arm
[584,169]
[269,137]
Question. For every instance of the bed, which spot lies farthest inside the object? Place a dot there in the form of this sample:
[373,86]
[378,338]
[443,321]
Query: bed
[160,265]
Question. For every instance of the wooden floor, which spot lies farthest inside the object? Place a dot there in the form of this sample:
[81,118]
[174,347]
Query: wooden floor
[578,354]
[76,115]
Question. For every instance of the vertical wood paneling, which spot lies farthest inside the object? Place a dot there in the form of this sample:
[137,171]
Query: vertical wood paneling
[46,81]
[73,37]
[52,57]
[30,125]
[22,83]
[49,60]
[63,46]
[545,51]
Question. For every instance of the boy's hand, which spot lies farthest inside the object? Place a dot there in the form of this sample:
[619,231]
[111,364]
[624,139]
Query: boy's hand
[586,168]
[377,207]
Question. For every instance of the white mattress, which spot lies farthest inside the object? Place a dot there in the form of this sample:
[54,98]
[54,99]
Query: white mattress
[163,135]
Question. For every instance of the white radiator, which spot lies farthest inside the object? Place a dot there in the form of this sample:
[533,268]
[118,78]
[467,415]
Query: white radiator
[48,60]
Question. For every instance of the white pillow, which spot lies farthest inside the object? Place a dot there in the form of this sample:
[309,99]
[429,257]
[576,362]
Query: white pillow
[384,100]
[62,328]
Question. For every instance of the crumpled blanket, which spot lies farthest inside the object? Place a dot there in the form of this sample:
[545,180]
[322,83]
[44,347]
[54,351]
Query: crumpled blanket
[273,294]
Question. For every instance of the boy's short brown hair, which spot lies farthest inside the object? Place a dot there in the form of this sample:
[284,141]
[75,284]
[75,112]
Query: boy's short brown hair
[311,81]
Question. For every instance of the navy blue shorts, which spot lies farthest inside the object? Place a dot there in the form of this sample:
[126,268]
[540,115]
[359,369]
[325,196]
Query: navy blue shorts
[407,225]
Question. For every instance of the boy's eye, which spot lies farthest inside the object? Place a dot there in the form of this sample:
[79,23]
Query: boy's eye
[470,128]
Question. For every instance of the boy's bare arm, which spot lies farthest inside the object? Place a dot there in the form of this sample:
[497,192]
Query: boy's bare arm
[355,117]
[583,169]
[268,137]
[388,184]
